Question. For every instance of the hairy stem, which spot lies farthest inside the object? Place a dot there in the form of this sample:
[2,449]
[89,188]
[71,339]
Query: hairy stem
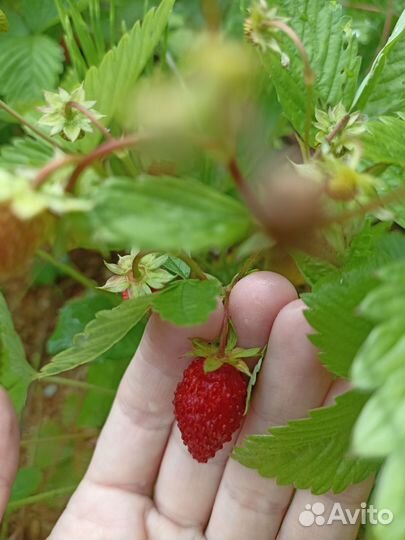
[54,166]
[30,126]
[363,7]
[103,151]
[223,337]
[40,498]
[91,117]
[309,75]
[196,269]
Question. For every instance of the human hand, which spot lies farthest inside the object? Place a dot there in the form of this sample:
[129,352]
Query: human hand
[142,484]
[9,440]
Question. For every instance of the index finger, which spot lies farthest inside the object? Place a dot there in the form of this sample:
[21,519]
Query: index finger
[133,440]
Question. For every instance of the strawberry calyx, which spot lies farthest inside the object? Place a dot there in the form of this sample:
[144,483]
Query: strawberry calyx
[215,359]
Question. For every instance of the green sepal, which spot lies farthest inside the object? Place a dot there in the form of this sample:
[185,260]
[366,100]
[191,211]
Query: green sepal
[203,349]
[238,352]
[212,364]
[253,379]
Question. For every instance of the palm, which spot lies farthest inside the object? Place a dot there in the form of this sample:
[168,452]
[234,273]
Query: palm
[143,485]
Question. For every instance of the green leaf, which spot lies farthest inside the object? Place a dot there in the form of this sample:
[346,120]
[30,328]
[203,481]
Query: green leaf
[314,269]
[332,49]
[167,214]
[25,152]
[382,91]
[392,179]
[390,494]
[380,428]
[107,329]
[177,267]
[28,66]
[39,14]
[188,302]
[384,141]
[75,315]
[311,453]
[380,365]
[15,372]
[333,316]
[111,82]
[334,305]
[26,483]
[4,26]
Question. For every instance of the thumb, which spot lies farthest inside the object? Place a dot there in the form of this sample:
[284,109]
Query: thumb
[9,441]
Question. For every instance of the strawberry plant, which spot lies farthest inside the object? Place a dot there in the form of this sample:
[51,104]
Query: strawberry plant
[154,154]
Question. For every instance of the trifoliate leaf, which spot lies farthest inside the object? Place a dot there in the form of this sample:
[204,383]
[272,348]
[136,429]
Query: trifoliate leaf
[311,453]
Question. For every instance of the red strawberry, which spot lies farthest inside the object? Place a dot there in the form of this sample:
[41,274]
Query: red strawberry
[209,407]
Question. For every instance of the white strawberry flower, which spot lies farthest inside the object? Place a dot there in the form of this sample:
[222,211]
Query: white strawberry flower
[150,274]
[68,121]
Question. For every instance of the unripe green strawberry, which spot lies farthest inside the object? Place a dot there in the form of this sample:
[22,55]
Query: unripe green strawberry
[18,242]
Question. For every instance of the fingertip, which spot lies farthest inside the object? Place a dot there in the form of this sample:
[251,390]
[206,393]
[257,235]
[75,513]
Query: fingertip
[254,304]
[291,323]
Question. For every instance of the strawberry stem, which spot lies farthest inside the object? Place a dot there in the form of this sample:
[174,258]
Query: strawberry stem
[223,337]
[103,151]
[24,122]
[196,270]
[91,117]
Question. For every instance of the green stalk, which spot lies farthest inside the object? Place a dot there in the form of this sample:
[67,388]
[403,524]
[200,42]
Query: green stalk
[113,21]
[30,126]
[80,385]
[59,438]
[40,497]
[76,56]
[95,17]
[85,38]
[67,269]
